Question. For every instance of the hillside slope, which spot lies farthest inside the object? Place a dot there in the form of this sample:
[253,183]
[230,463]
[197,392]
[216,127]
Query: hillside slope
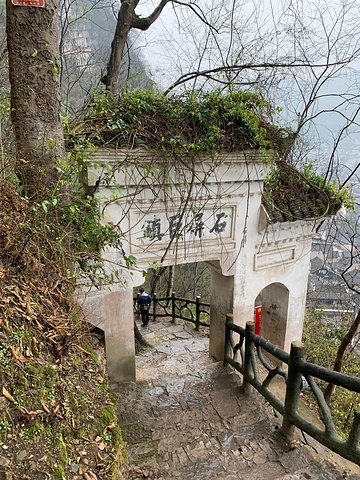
[57,416]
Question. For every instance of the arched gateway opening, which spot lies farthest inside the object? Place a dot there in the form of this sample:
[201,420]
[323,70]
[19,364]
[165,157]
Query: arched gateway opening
[274,302]
[179,293]
[198,292]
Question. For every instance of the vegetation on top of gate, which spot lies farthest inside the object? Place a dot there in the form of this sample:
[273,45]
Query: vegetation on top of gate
[291,194]
[210,122]
[190,124]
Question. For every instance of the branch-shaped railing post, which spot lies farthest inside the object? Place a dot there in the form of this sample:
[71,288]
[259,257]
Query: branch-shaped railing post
[173,307]
[249,351]
[154,307]
[228,333]
[136,307]
[197,316]
[293,389]
[326,434]
[353,440]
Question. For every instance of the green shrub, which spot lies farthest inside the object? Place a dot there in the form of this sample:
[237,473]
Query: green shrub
[322,339]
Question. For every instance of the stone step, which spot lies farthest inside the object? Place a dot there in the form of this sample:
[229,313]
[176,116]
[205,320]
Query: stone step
[195,426]
[187,419]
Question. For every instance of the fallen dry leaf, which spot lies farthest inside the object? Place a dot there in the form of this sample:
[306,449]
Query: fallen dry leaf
[8,395]
[45,408]
[8,244]
[13,351]
[31,415]
[28,308]
[83,350]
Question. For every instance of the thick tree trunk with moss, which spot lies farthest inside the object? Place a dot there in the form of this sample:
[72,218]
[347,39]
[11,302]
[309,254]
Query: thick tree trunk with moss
[32,38]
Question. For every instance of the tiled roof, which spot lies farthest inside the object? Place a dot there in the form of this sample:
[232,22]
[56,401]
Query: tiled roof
[290,196]
[292,209]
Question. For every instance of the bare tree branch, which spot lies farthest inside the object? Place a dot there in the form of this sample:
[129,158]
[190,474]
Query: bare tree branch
[144,23]
[201,16]
[238,68]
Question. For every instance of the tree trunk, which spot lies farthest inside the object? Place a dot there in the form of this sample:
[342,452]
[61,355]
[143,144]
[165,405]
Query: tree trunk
[170,285]
[195,279]
[32,39]
[123,27]
[139,337]
[155,278]
[127,19]
[340,355]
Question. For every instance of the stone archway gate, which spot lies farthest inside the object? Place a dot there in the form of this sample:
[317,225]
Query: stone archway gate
[207,210]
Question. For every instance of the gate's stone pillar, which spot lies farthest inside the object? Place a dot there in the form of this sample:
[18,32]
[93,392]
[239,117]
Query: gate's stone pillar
[113,313]
[296,314]
[119,335]
[221,303]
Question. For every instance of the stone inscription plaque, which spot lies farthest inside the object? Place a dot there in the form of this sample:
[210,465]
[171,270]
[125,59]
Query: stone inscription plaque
[160,227]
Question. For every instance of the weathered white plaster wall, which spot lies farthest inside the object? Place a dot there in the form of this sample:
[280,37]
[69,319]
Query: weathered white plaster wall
[285,260]
[275,309]
[226,184]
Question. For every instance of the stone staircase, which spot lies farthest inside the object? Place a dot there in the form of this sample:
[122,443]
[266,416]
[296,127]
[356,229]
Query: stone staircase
[186,418]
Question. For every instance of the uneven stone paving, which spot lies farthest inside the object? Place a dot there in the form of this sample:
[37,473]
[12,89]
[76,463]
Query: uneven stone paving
[186,418]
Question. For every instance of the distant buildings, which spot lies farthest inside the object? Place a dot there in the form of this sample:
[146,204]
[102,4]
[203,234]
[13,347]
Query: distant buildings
[330,278]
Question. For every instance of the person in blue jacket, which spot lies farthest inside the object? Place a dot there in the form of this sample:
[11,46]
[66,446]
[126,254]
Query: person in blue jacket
[144,302]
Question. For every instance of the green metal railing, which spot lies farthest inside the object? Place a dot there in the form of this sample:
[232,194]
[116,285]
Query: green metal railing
[243,355]
[193,311]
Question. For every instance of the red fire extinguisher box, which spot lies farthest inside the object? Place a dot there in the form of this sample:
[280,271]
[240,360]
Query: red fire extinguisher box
[258,310]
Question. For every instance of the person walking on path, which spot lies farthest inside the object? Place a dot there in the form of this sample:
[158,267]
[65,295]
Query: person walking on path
[144,302]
